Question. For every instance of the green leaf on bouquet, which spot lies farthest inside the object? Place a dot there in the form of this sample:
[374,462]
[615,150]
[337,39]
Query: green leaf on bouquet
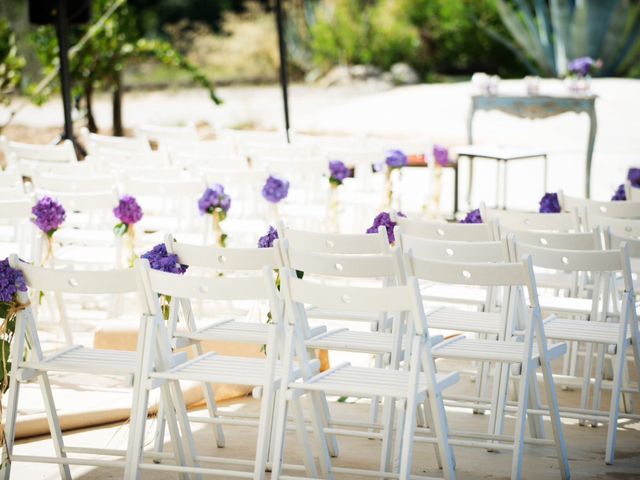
[120,229]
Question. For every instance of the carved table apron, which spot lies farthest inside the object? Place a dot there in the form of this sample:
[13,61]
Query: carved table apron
[534,107]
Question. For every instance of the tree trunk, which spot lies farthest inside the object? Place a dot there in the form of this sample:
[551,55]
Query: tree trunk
[88,96]
[118,129]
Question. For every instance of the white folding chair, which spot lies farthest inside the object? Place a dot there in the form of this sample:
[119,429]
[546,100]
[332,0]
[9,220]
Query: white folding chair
[17,233]
[522,343]
[435,230]
[590,208]
[508,220]
[159,133]
[29,364]
[210,367]
[411,385]
[98,144]
[48,183]
[600,331]
[27,158]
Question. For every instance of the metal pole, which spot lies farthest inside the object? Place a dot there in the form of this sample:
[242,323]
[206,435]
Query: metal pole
[62,29]
[284,76]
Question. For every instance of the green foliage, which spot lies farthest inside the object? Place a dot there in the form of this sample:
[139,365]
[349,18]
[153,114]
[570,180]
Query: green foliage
[98,65]
[552,32]
[11,64]
[442,36]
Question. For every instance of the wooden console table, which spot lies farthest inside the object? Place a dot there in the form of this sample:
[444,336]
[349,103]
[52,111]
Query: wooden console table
[534,107]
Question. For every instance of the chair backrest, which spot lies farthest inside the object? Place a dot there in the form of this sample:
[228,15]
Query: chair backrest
[381,265]
[164,188]
[83,282]
[457,251]
[218,258]
[430,229]
[632,193]
[507,220]
[373,300]
[103,144]
[568,241]
[159,133]
[614,241]
[217,288]
[359,243]
[27,158]
[594,208]
[16,209]
[620,226]
[87,202]
[10,179]
[79,184]
[117,161]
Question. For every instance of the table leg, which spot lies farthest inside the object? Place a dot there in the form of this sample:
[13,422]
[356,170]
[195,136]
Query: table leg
[470,184]
[592,140]
[504,184]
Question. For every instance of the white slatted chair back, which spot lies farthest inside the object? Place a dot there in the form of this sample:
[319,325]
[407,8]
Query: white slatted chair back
[104,144]
[434,230]
[568,241]
[81,282]
[506,220]
[16,231]
[27,158]
[378,300]
[219,288]
[387,265]
[123,162]
[16,209]
[10,180]
[75,184]
[615,241]
[86,168]
[218,258]
[197,161]
[593,208]
[210,148]
[632,193]
[163,188]
[624,227]
[448,250]
[88,202]
[158,133]
[350,244]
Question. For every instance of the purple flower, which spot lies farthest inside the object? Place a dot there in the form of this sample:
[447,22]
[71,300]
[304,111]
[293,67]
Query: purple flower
[266,241]
[338,172]
[11,281]
[549,203]
[581,66]
[160,259]
[48,215]
[620,194]
[275,189]
[383,219]
[472,217]
[634,177]
[128,211]
[396,159]
[441,155]
[214,198]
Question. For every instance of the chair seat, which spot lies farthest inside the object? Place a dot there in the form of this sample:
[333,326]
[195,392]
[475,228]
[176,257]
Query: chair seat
[565,304]
[234,331]
[86,360]
[215,368]
[491,350]
[353,341]
[454,294]
[345,379]
[465,321]
[582,331]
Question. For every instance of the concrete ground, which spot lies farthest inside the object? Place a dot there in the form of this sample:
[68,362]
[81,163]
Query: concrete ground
[585,446]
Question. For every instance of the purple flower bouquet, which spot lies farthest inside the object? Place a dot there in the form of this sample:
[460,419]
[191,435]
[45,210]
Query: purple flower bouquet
[128,212]
[383,219]
[216,202]
[549,203]
[275,189]
[338,171]
[48,215]
[473,216]
[160,259]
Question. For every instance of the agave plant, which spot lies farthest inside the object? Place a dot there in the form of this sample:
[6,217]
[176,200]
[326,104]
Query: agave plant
[547,34]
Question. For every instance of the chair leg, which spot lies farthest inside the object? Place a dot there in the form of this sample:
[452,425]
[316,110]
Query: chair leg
[406,439]
[614,408]
[599,375]
[520,421]
[319,418]
[503,389]
[554,414]
[54,423]
[388,414]
[264,427]
[400,420]
[536,424]
[10,428]
[586,380]
[441,430]
[137,425]
[375,401]
[303,437]
[430,421]
[210,398]
[319,401]
[178,440]
[160,428]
